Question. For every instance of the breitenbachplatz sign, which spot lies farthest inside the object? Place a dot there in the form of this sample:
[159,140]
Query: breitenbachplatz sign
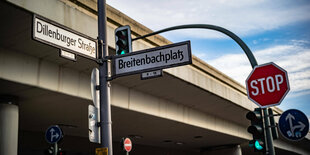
[173,55]
[57,35]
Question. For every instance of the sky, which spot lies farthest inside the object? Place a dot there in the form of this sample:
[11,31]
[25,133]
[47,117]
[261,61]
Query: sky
[275,30]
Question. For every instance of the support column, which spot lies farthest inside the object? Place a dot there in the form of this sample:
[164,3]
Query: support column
[8,125]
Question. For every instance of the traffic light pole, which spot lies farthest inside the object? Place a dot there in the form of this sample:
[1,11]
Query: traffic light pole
[105,104]
[270,148]
[250,56]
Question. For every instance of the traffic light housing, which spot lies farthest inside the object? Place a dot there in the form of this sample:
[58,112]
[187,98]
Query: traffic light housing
[61,152]
[257,130]
[123,40]
[51,151]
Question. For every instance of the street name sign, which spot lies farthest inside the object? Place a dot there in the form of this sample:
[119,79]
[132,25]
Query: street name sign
[152,59]
[53,134]
[56,35]
[293,125]
[267,85]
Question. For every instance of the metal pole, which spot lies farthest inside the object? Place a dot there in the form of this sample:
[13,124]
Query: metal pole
[264,131]
[269,138]
[55,149]
[105,104]
[212,27]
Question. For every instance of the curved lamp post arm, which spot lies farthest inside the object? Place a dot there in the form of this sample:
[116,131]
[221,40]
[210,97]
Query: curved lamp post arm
[212,27]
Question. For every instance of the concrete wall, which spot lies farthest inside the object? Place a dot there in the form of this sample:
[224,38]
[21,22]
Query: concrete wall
[32,71]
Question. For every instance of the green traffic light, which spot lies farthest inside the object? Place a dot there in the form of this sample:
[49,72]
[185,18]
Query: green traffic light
[123,40]
[258,145]
[121,52]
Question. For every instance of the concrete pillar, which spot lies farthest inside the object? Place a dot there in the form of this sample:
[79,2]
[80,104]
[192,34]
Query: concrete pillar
[8,126]
[227,150]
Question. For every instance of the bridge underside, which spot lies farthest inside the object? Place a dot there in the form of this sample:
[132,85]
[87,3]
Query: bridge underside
[157,114]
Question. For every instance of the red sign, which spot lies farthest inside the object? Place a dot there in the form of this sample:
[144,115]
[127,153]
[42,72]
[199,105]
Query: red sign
[127,145]
[267,85]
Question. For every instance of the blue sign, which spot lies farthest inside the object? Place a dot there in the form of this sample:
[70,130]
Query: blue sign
[293,125]
[53,134]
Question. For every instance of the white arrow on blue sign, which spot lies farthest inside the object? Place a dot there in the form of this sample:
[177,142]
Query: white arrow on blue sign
[293,125]
[53,134]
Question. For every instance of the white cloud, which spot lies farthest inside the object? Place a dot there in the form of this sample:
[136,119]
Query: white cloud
[236,66]
[201,55]
[242,17]
[294,59]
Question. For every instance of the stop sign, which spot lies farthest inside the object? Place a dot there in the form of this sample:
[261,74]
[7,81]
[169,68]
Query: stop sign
[267,85]
[127,145]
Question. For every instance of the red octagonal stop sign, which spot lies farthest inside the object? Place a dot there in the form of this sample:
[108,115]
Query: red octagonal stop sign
[267,85]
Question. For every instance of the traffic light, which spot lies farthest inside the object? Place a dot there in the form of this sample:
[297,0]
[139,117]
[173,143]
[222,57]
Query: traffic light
[257,130]
[51,151]
[61,152]
[123,40]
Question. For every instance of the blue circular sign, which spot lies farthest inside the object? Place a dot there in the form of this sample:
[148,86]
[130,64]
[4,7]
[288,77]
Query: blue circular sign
[53,134]
[293,125]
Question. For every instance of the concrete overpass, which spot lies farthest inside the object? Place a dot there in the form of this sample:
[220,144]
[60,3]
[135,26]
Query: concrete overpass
[194,109]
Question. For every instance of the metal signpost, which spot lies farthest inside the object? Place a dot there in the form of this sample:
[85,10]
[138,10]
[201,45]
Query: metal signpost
[267,85]
[293,125]
[104,84]
[132,63]
[53,135]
